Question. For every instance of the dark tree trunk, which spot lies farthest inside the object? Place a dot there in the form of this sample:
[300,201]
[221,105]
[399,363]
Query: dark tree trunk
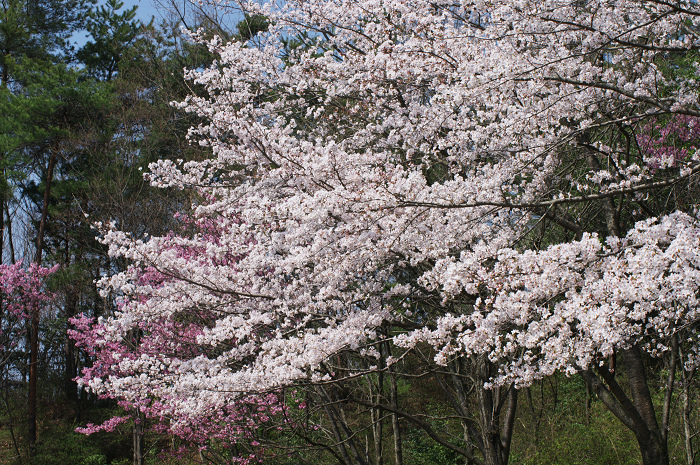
[394,403]
[637,413]
[71,370]
[651,442]
[376,414]
[139,438]
[496,424]
[10,241]
[3,84]
[34,338]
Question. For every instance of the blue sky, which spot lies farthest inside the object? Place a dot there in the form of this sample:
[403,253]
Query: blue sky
[145,11]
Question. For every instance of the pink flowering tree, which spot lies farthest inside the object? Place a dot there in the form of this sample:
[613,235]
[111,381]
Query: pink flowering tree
[669,145]
[22,291]
[474,178]
[229,431]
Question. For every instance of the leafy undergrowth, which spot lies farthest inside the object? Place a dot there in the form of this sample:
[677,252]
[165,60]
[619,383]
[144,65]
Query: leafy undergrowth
[554,428]
[59,444]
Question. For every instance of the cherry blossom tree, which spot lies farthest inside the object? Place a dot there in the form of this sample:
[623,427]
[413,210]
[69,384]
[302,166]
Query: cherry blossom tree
[493,180]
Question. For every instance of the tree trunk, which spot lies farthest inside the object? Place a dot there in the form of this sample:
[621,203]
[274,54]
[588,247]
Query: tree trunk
[2,215]
[687,431]
[71,370]
[687,377]
[651,443]
[637,413]
[376,417]
[10,241]
[508,422]
[496,425]
[138,439]
[3,85]
[34,338]
[394,403]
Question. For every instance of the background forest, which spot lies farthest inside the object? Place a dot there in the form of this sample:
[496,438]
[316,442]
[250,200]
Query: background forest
[78,127]
[370,233]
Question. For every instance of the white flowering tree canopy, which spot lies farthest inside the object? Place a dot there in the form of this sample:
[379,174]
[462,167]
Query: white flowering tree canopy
[512,179]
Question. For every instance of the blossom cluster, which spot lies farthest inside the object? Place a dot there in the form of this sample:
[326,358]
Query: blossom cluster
[676,141]
[22,292]
[572,305]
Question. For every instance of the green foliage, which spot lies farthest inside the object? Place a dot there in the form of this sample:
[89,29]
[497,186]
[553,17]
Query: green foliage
[421,450]
[250,26]
[112,35]
[37,29]
[574,443]
[61,447]
[53,103]
[552,428]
